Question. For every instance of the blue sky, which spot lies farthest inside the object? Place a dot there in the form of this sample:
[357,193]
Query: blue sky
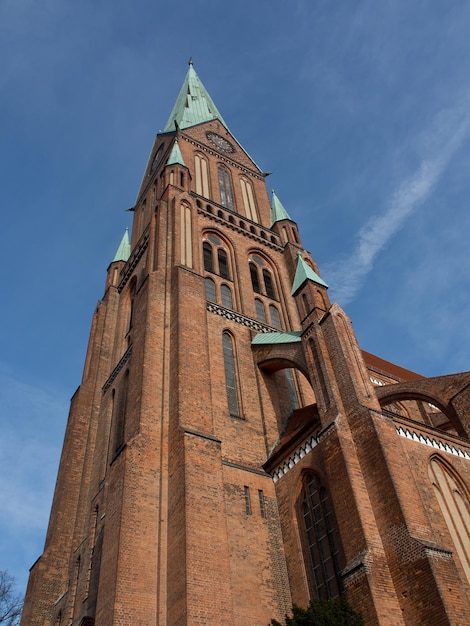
[359,109]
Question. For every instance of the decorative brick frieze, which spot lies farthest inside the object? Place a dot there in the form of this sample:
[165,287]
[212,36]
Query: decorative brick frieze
[233,316]
[266,240]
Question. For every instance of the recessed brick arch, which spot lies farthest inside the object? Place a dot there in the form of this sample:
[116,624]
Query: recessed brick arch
[273,357]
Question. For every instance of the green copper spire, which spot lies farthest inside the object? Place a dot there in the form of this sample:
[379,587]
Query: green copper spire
[304,272]
[124,251]
[193,105]
[176,158]
[278,212]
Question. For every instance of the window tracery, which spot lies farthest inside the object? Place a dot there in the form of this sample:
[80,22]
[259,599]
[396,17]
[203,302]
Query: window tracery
[320,540]
[262,279]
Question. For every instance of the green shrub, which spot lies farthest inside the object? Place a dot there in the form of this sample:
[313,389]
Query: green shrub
[334,612]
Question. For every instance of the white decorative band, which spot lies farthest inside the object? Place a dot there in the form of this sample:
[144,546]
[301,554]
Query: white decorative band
[299,454]
[433,443]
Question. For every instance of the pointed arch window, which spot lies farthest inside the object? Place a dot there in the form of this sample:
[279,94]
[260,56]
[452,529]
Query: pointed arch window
[320,539]
[226,296]
[215,257]
[231,376]
[225,186]
[453,499]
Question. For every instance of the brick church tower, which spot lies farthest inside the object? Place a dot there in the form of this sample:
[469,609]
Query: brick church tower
[230,449]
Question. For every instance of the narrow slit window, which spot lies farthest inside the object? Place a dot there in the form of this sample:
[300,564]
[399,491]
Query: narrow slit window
[306,304]
[262,506]
[247,501]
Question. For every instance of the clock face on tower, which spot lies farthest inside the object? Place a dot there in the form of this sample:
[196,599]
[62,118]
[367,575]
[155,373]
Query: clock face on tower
[220,142]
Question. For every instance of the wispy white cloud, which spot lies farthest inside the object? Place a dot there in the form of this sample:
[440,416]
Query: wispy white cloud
[31,420]
[438,144]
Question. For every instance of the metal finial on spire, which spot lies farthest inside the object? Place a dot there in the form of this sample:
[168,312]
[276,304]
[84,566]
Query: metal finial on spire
[190,62]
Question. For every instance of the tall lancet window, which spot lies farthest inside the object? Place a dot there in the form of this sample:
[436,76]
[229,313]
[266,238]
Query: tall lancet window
[186,236]
[453,500]
[248,199]
[202,177]
[320,541]
[231,377]
[225,185]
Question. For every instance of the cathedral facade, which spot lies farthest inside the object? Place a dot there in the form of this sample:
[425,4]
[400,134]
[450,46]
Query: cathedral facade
[231,450]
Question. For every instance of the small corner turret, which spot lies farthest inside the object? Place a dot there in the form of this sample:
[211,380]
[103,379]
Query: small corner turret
[282,223]
[120,259]
[309,290]
[176,172]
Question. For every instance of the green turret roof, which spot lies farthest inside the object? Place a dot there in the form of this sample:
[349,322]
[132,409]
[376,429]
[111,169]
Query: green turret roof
[176,158]
[278,212]
[124,251]
[193,105]
[304,272]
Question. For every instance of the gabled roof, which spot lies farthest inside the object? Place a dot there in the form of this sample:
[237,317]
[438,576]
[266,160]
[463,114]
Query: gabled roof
[304,272]
[278,212]
[193,105]
[176,158]
[124,251]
